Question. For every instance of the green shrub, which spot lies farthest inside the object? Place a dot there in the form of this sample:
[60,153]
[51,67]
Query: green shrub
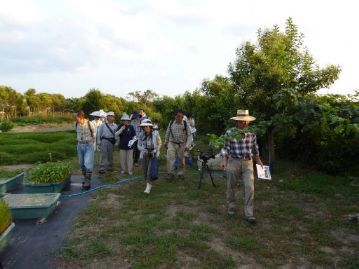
[5,216]
[6,126]
[51,172]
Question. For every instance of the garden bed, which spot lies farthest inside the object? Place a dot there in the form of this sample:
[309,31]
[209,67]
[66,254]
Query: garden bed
[46,187]
[4,237]
[31,206]
[10,184]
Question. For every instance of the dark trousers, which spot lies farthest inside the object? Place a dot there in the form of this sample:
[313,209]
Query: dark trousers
[136,152]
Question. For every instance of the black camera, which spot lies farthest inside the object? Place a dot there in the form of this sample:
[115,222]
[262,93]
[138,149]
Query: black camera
[205,156]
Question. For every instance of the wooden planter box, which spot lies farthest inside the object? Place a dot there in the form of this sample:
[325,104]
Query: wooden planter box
[4,237]
[47,187]
[32,205]
[10,184]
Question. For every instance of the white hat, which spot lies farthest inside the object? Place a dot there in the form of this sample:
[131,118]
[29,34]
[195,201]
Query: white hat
[110,113]
[146,122]
[125,116]
[243,115]
[101,113]
[95,114]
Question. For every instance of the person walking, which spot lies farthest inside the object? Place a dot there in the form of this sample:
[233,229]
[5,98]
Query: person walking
[135,122]
[149,145]
[126,133]
[237,160]
[106,141]
[96,122]
[85,134]
[178,140]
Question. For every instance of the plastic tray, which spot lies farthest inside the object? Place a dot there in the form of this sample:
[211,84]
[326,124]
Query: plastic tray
[31,205]
[46,188]
[4,237]
[10,184]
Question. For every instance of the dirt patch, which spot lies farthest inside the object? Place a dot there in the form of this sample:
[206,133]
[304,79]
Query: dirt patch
[345,237]
[43,128]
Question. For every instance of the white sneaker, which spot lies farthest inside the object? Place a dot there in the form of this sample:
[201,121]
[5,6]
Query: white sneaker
[148,188]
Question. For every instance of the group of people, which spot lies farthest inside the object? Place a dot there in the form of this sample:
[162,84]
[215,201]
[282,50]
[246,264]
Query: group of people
[139,139]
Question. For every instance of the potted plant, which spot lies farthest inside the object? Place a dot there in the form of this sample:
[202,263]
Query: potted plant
[48,177]
[6,224]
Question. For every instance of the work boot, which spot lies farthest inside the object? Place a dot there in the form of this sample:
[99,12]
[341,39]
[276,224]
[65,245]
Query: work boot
[148,188]
[86,185]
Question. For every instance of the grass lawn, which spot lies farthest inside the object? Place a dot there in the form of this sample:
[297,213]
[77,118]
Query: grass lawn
[301,222]
[16,148]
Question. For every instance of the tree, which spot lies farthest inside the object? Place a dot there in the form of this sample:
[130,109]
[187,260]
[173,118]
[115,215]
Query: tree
[93,101]
[145,98]
[274,75]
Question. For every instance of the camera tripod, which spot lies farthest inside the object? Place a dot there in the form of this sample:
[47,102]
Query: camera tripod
[203,168]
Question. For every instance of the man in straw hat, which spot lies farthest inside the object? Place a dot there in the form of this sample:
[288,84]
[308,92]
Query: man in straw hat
[237,160]
[106,142]
[126,133]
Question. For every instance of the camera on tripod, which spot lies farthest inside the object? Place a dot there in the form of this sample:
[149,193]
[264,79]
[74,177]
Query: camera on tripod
[205,156]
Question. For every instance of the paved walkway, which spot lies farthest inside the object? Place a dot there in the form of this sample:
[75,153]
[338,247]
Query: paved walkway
[34,245]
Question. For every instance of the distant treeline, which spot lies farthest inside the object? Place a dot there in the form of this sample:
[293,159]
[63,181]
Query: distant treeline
[276,79]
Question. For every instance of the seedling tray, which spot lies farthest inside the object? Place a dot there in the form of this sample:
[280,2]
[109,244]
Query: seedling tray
[46,188]
[4,237]
[10,184]
[31,205]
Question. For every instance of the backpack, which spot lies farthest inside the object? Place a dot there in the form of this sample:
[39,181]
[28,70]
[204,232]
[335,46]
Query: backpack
[184,129]
[88,124]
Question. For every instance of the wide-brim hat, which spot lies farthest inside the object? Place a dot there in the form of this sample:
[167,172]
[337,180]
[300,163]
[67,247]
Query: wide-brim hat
[125,116]
[101,113]
[146,122]
[243,115]
[111,113]
[95,114]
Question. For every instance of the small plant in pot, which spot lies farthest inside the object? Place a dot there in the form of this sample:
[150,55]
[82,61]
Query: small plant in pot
[5,216]
[48,177]
[6,224]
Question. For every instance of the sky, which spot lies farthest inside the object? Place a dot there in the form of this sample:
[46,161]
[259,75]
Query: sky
[169,46]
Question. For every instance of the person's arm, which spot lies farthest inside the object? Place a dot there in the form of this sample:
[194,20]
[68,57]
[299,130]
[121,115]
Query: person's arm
[120,130]
[99,134]
[159,144]
[225,153]
[167,136]
[189,137]
[255,151]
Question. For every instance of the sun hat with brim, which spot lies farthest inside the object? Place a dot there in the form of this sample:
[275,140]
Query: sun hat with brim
[243,115]
[94,114]
[101,113]
[110,114]
[125,116]
[146,122]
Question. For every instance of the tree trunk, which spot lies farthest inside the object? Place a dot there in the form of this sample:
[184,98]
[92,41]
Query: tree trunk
[271,149]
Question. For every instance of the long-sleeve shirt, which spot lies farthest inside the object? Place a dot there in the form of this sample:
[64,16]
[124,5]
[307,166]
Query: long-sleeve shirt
[178,133]
[104,132]
[150,142]
[83,133]
[126,133]
[239,148]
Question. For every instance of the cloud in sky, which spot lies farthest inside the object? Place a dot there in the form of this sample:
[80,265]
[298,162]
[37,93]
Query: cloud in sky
[70,46]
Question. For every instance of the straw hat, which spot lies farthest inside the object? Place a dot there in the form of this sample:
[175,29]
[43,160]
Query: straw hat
[243,115]
[146,122]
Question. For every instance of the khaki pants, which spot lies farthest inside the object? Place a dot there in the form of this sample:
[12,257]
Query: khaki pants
[126,160]
[175,151]
[106,154]
[237,168]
